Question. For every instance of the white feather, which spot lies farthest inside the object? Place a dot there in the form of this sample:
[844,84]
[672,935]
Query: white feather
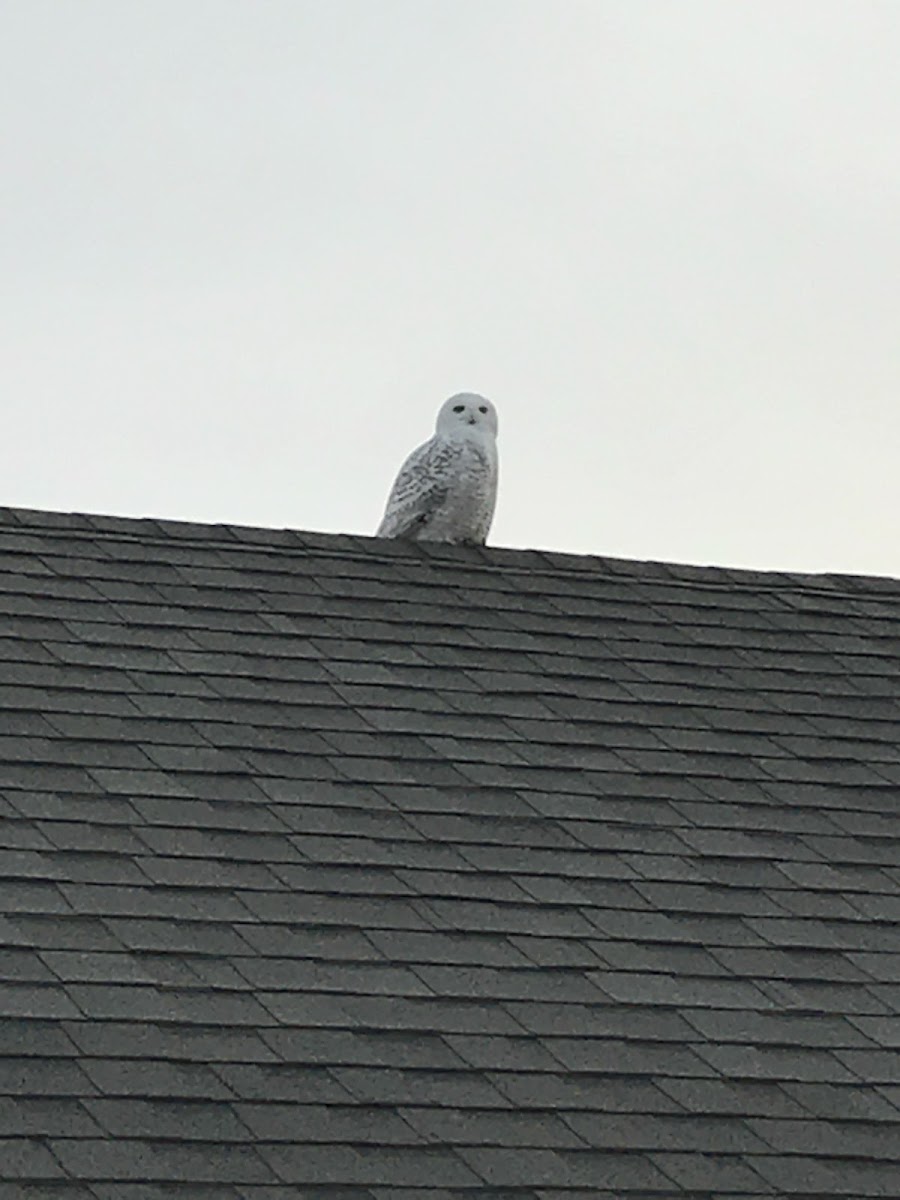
[447,488]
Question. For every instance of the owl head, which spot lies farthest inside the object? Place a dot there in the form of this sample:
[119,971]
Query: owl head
[466,412]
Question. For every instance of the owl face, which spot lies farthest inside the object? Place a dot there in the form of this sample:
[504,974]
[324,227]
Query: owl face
[467,412]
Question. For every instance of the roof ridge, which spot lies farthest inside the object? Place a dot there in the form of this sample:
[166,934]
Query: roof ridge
[537,560]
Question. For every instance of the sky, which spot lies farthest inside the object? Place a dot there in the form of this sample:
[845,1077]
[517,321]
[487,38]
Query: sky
[248,247]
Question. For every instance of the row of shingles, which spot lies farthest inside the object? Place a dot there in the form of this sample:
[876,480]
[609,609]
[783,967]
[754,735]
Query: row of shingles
[144,1034]
[823,886]
[175,629]
[123,987]
[670,1135]
[381,759]
[845,1032]
[792,1136]
[113,747]
[104,1001]
[588,783]
[767,621]
[261,849]
[436,1191]
[306,1050]
[606,1051]
[730,815]
[805,664]
[263,655]
[469,974]
[734,744]
[370,625]
[348,552]
[38,1054]
[365,840]
[840,1033]
[561,732]
[354,835]
[471,1025]
[268,898]
[783,1030]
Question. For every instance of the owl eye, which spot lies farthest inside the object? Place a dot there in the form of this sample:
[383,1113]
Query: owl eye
[482,408]
[458,407]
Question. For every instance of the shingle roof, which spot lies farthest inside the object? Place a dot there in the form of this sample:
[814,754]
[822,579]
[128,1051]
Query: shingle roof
[334,867]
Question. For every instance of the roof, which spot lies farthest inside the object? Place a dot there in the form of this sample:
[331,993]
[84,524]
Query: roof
[338,867]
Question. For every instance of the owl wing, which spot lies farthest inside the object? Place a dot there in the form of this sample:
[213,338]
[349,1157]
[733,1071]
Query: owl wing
[420,488]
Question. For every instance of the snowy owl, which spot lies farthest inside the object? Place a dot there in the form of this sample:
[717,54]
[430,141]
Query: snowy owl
[447,488]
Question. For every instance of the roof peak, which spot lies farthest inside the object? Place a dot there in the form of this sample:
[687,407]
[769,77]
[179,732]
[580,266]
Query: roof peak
[538,560]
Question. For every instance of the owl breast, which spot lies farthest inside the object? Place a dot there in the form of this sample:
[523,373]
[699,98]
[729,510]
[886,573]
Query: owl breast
[465,513]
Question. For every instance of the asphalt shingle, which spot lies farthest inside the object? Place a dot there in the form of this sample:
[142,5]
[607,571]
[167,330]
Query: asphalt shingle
[365,870]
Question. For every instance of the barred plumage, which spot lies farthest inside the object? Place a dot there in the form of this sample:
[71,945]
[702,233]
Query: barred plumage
[447,488]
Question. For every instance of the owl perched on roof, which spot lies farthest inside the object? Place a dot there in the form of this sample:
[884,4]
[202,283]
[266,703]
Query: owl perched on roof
[447,488]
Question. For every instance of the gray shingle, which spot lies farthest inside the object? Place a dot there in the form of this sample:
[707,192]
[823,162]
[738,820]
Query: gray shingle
[32,1116]
[704,1134]
[583,1092]
[851,1139]
[779,1028]
[489,983]
[684,992]
[495,1052]
[356,870]
[492,1128]
[186,936]
[331,909]
[21,966]
[839,1102]
[332,943]
[742,1097]
[442,1089]
[473,916]
[874,1066]
[43,1076]
[433,947]
[130,1159]
[28,1159]
[398,1167]
[174,1120]
[177,1042]
[709,1172]
[317,1123]
[771,1062]
[273,1082]
[368,979]
[142,1078]
[616,1056]
[594,1020]
[338,1047]
[35,1000]
[556,1168]
[429,1013]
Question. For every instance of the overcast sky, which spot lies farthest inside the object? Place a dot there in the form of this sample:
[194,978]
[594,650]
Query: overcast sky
[248,247]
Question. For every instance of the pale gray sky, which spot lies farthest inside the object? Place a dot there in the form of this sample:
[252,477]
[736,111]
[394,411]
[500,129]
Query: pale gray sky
[248,247]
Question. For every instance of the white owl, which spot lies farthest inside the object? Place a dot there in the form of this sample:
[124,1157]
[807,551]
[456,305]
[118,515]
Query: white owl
[447,488]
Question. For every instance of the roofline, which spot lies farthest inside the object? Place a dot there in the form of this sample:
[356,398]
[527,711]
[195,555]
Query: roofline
[359,545]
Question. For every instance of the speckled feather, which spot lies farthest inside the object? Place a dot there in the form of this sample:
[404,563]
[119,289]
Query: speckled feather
[447,488]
